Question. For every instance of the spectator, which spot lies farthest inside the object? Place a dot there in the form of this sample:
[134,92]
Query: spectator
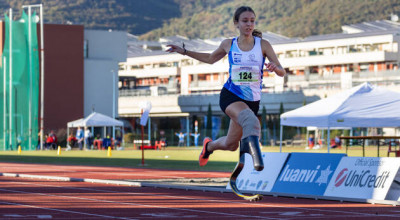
[54,140]
[310,142]
[97,142]
[106,142]
[49,141]
[79,137]
[88,136]
[181,139]
[336,143]
[196,138]
[71,141]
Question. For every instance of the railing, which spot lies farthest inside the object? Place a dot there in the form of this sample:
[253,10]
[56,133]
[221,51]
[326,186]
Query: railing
[294,83]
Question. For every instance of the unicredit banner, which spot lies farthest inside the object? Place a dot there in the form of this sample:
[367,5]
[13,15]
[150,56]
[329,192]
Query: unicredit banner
[307,173]
[252,180]
[363,177]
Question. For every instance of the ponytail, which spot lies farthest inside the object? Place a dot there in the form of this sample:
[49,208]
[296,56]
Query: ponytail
[257,33]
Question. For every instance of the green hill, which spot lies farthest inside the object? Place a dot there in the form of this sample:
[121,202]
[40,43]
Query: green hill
[152,19]
[293,18]
[135,16]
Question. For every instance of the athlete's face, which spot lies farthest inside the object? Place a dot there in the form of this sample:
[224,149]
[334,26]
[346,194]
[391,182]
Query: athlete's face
[246,23]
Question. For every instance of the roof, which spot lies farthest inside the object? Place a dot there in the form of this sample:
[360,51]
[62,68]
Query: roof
[95,120]
[138,48]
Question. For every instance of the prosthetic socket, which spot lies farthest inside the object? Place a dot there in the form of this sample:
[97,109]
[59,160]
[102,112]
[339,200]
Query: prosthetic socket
[250,139]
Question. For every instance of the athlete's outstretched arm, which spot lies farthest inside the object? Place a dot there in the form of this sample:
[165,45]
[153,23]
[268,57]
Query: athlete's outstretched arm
[274,65]
[210,58]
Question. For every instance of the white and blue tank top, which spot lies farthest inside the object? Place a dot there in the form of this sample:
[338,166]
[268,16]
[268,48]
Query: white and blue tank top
[245,71]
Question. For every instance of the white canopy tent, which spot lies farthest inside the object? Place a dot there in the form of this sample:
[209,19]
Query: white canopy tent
[95,120]
[361,106]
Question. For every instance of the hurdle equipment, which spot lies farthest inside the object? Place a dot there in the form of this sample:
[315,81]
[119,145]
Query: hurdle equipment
[251,146]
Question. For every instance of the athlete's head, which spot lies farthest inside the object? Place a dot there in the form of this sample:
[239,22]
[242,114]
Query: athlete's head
[244,18]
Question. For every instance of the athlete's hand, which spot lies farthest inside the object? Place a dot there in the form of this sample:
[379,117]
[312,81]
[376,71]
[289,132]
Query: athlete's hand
[173,48]
[271,67]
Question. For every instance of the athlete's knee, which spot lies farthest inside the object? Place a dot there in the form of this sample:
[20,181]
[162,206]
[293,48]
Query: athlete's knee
[249,122]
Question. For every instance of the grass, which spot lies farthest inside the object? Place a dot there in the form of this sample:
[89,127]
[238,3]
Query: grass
[184,158]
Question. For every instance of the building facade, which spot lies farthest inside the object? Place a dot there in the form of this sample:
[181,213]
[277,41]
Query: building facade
[317,66]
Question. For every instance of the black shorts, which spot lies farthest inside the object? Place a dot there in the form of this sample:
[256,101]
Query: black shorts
[226,98]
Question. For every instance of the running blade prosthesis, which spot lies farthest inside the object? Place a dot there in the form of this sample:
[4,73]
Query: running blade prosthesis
[251,146]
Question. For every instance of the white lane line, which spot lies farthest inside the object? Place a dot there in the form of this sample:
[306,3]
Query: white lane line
[133,175]
[220,201]
[224,214]
[62,210]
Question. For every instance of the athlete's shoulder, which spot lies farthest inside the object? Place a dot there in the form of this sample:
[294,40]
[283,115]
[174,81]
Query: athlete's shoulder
[265,42]
[226,44]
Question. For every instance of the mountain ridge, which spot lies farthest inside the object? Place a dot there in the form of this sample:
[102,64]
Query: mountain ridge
[152,19]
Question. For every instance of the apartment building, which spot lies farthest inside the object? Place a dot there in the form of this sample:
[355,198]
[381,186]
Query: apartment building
[317,66]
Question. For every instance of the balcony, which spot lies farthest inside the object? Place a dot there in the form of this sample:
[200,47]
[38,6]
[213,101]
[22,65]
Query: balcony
[161,72]
[338,59]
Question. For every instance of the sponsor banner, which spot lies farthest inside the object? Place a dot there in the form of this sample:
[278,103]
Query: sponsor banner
[261,181]
[363,177]
[307,173]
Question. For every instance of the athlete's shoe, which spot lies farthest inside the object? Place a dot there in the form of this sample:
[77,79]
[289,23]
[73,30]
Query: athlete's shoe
[203,158]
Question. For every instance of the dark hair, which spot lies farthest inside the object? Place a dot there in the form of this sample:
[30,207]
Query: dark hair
[237,14]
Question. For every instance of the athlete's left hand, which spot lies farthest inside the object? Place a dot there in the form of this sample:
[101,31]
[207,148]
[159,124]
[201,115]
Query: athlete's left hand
[271,67]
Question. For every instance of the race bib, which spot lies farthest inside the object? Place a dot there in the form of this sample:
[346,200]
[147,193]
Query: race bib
[245,75]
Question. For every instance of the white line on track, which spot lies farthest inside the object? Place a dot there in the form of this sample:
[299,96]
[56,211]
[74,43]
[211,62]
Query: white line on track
[354,214]
[62,210]
[130,174]
[224,214]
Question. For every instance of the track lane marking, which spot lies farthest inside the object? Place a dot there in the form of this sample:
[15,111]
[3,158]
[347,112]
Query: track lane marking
[224,214]
[62,210]
[212,200]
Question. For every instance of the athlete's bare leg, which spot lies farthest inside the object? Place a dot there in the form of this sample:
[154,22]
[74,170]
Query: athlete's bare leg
[231,140]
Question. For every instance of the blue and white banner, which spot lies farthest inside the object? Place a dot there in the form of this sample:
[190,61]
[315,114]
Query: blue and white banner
[363,177]
[261,181]
[307,173]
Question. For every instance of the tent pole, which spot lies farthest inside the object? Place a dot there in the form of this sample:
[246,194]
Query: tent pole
[10,78]
[123,133]
[307,137]
[67,136]
[187,131]
[328,142]
[84,137]
[30,76]
[280,142]
[4,104]
[149,131]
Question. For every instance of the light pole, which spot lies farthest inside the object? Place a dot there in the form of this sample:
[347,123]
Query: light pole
[113,100]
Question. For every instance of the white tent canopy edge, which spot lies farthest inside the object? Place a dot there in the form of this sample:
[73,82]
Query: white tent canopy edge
[361,106]
[95,119]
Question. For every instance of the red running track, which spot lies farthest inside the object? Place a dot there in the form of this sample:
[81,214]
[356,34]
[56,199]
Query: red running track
[23,198]
[109,173]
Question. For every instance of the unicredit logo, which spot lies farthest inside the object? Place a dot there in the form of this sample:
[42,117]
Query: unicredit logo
[341,177]
[361,178]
